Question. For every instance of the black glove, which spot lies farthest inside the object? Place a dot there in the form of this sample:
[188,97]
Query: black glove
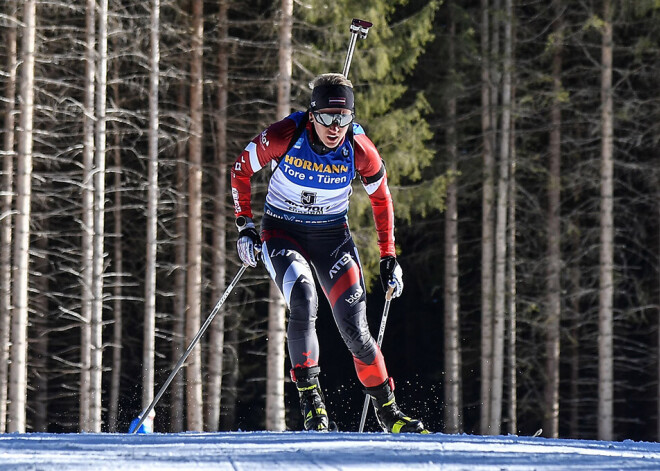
[249,242]
[391,274]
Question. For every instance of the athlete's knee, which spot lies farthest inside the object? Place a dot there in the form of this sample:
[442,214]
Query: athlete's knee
[355,331]
[303,306]
[303,302]
[362,346]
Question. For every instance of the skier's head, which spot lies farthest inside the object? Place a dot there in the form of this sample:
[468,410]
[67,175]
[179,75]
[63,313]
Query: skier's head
[332,91]
[331,108]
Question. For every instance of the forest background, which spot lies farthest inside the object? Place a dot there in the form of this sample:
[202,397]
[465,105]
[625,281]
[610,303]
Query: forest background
[521,143]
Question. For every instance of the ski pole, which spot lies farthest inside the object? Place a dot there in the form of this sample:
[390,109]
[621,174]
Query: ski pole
[359,29]
[381,334]
[194,341]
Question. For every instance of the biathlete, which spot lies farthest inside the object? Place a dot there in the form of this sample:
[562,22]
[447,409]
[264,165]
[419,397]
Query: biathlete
[304,230]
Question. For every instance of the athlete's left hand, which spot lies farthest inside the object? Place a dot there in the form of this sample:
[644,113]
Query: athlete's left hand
[390,272]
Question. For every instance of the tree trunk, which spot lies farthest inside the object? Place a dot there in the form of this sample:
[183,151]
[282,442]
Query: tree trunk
[87,214]
[96,364]
[285,60]
[118,260]
[6,221]
[38,335]
[18,357]
[574,350]
[487,224]
[495,72]
[194,276]
[500,232]
[149,340]
[553,268]
[452,352]
[606,288]
[179,302]
[512,286]
[275,419]
[575,294]
[231,362]
[217,335]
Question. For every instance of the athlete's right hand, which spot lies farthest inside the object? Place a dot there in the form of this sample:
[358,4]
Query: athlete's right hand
[248,243]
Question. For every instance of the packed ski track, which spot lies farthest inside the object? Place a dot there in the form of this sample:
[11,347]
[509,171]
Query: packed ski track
[255,451]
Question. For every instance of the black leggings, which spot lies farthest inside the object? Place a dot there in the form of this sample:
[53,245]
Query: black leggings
[290,252]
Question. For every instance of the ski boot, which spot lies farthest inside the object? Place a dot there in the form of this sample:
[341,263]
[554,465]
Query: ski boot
[389,416]
[312,402]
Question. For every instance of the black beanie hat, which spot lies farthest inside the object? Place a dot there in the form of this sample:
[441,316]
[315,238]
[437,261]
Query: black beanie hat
[332,96]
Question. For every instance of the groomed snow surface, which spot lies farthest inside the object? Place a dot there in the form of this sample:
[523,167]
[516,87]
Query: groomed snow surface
[255,451]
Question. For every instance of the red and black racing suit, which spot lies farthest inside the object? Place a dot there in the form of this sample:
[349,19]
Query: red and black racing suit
[305,229]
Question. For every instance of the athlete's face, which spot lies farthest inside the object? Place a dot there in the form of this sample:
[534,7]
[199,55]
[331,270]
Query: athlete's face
[331,135]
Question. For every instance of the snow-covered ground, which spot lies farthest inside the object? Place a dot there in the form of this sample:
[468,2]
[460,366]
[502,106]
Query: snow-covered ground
[255,451]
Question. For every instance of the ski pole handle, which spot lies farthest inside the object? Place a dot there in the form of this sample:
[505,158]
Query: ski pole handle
[390,291]
[359,29]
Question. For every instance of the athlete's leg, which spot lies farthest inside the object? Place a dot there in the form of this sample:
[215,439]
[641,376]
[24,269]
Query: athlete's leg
[340,274]
[288,267]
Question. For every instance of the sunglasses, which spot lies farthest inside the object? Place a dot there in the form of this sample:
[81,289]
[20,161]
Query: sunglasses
[328,119]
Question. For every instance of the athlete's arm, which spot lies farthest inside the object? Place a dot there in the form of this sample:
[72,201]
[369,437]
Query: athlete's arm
[267,146]
[372,172]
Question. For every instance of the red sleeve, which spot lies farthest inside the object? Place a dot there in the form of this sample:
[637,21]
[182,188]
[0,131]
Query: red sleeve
[267,146]
[371,168]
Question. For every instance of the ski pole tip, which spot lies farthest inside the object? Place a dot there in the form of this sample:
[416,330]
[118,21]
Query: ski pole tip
[140,425]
